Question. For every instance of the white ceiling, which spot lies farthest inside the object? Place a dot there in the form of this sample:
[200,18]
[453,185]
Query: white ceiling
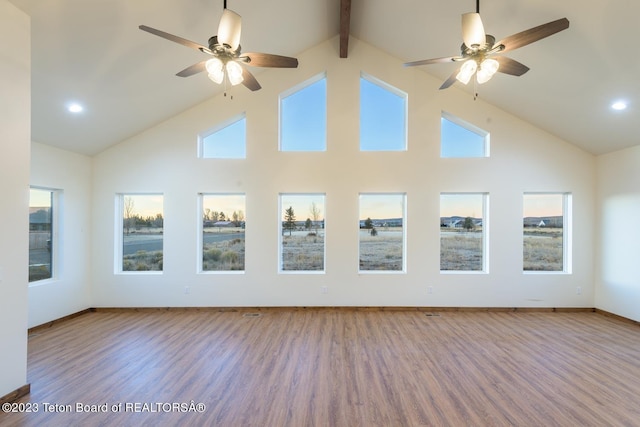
[92,51]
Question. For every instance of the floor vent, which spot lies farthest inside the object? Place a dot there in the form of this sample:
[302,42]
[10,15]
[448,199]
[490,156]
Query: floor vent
[432,314]
[252,315]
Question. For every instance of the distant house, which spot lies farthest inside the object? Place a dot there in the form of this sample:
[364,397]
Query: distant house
[541,223]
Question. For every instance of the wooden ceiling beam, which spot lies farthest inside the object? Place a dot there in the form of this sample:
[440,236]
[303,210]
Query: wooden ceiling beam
[345,21]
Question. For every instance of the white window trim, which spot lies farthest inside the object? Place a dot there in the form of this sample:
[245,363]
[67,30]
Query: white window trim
[567,234]
[57,196]
[485,235]
[280,236]
[386,86]
[200,239]
[202,136]
[471,128]
[119,236]
[404,235]
[291,91]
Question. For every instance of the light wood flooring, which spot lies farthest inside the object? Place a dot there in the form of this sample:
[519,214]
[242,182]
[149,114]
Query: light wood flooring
[335,367]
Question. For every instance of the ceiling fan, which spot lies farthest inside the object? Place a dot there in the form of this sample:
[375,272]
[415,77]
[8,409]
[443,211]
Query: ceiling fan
[478,47]
[227,62]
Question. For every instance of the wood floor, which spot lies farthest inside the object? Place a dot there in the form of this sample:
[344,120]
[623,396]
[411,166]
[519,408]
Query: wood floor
[334,367]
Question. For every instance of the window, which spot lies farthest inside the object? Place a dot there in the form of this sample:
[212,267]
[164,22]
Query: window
[223,230]
[302,232]
[461,139]
[42,233]
[303,116]
[142,225]
[226,141]
[383,116]
[463,232]
[545,232]
[382,232]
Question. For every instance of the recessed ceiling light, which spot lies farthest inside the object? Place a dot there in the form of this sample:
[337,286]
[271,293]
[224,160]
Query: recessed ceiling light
[619,105]
[75,107]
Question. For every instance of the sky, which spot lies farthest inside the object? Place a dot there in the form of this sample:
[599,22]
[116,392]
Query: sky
[39,198]
[381,206]
[301,204]
[303,120]
[542,205]
[147,204]
[227,203]
[461,204]
[382,118]
[458,141]
[229,142]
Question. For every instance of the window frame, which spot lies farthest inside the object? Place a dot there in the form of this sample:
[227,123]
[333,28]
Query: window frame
[119,235]
[56,225]
[485,233]
[281,208]
[200,240]
[217,128]
[395,91]
[567,233]
[293,90]
[403,269]
[486,135]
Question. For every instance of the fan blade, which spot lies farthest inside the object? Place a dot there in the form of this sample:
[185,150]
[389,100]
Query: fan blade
[431,61]
[268,60]
[194,69]
[451,80]
[472,30]
[176,39]
[229,29]
[533,34]
[511,66]
[249,80]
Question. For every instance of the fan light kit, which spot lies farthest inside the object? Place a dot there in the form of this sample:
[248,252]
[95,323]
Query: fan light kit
[227,64]
[477,47]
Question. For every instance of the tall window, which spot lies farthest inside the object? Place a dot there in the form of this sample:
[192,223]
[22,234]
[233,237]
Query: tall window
[461,139]
[42,233]
[302,232]
[463,232]
[382,232]
[226,141]
[223,230]
[383,116]
[142,225]
[303,116]
[545,232]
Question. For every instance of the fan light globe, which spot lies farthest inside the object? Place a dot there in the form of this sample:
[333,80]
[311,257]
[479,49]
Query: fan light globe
[215,69]
[234,72]
[472,30]
[466,71]
[229,29]
[487,69]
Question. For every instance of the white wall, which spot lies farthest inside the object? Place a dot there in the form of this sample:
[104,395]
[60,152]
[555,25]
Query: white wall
[618,201]
[69,290]
[523,159]
[15,133]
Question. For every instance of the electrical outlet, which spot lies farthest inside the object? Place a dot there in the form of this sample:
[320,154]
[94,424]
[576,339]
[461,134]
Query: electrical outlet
[187,290]
[429,289]
[324,290]
[579,290]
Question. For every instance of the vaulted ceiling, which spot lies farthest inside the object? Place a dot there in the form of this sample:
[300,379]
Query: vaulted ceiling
[93,52]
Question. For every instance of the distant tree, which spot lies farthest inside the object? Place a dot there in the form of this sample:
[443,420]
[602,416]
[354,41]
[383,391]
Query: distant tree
[315,212]
[213,216]
[129,218]
[468,224]
[307,224]
[158,221]
[373,231]
[207,214]
[368,224]
[238,218]
[289,219]
[221,217]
